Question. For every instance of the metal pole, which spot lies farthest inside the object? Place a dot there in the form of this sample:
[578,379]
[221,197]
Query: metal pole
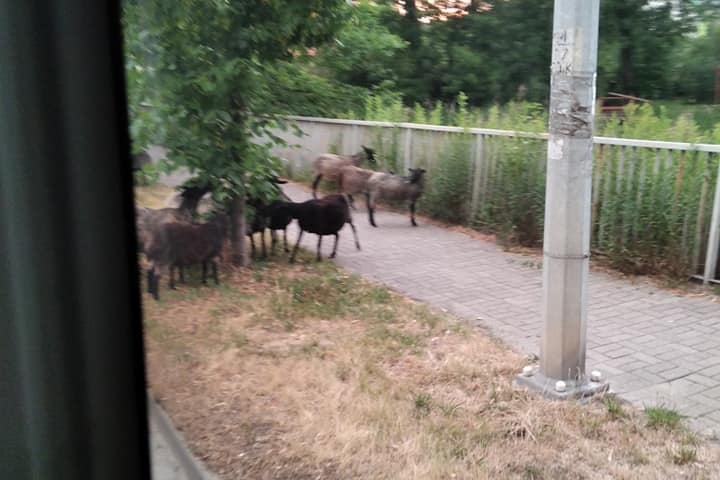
[714,237]
[568,199]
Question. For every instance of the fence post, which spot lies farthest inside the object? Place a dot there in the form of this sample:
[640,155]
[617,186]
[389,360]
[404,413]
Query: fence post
[407,153]
[699,227]
[477,175]
[714,237]
[355,146]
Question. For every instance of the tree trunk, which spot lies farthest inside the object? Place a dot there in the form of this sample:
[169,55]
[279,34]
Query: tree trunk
[240,256]
[626,67]
[412,26]
[238,225]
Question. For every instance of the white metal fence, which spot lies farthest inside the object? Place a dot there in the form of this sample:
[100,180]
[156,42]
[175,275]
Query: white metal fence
[646,194]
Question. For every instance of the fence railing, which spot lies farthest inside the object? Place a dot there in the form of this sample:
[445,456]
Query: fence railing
[654,202]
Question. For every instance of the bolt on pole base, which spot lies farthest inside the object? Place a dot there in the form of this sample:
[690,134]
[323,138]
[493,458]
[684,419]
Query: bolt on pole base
[555,389]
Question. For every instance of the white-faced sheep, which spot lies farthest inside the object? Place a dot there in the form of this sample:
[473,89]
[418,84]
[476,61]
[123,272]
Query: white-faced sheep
[384,186]
[328,165]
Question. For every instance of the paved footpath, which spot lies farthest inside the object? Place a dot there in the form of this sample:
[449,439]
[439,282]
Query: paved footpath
[653,346]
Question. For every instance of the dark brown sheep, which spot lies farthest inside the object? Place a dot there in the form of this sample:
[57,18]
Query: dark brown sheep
[178,244]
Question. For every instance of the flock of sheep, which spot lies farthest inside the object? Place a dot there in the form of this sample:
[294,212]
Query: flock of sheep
[171,239]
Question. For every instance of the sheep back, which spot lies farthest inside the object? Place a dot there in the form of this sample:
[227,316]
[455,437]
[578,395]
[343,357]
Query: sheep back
[325,216]
[176,243]
[328,165]
[352,179]
[393,187]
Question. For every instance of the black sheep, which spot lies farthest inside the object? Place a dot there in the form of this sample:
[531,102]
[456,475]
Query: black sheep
[325,216]
[268,216]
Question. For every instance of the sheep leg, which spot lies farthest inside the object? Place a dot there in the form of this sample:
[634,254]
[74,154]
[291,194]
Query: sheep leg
[171,279]
[182,273]
[371,209]
[351,201]
[319,257]
[412,214]
[315,184]
[292,257]
[337,237]
[150,279]
[273,241]
[357,240]
[287,250]
[204,272]
[215,272]
[252,245]
[262,240]
[154,286]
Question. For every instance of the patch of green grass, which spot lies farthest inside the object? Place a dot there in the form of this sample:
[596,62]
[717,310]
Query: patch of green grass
[706,116]
[327,295]
[426,317]
[449,409]
[378,295]
[392,339]
[592,426]
[423,404]
[382,314]
[614,408]
[324,291]
[637,456]
[238,339]
[156,330]
[532,264]
[662,417]
[311,348]
[532,472]
[458,441]
[342,372]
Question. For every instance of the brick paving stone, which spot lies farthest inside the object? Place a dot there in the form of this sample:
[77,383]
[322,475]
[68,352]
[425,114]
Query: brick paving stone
[649,343]
[675,373]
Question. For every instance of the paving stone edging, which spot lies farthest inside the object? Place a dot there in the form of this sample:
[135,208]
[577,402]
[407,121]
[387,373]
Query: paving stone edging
[192,467]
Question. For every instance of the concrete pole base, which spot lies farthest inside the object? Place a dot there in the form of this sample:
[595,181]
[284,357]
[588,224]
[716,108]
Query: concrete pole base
[536,381]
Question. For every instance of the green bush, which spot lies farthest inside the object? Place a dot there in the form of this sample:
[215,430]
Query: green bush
[147,175]
[515,196]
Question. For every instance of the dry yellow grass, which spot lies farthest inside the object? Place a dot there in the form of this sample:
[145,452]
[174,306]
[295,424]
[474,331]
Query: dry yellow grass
[300,372]
[295,372]
[153,196]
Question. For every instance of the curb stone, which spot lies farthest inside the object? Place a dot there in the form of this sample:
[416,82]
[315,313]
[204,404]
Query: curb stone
[192,467]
